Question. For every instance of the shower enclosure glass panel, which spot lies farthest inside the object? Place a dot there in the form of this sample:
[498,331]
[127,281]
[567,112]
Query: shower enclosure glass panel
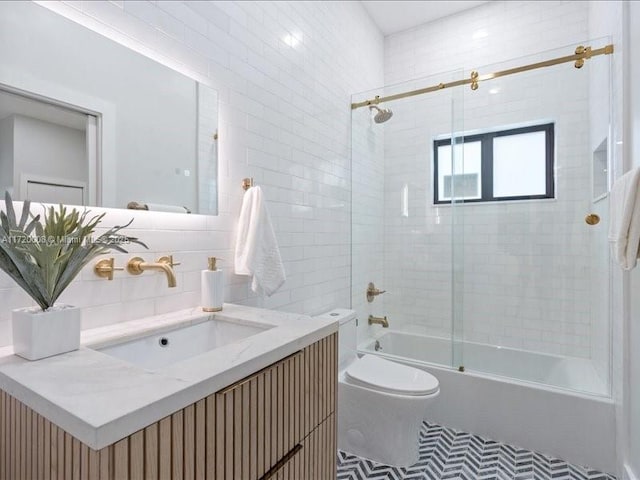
[535,289]
[400,242]
[469,209]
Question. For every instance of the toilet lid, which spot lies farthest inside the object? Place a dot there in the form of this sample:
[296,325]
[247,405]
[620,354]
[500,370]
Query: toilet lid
[379,373]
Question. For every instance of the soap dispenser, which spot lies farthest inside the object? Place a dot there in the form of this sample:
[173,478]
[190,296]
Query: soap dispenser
[212,284]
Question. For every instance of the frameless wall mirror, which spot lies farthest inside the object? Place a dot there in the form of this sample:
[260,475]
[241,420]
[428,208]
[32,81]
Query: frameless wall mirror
[87,121]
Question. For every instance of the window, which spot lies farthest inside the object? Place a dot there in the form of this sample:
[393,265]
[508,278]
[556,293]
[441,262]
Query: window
[514,164]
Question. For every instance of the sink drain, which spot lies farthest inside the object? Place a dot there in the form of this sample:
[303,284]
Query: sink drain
[163,342]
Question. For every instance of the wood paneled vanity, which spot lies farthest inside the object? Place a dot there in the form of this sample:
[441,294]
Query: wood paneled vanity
[276,423]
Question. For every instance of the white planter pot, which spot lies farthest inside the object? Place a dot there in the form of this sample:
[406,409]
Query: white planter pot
[38,334]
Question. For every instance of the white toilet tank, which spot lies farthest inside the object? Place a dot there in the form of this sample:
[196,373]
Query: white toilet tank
[347,334]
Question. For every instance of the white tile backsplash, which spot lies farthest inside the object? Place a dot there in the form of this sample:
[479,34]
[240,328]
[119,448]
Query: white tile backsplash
[284,119]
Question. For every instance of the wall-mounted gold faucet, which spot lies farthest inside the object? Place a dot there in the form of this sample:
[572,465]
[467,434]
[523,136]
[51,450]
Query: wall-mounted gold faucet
[165,264]
[379,321]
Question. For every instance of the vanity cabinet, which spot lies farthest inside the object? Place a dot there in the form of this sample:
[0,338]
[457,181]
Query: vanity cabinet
[278,423]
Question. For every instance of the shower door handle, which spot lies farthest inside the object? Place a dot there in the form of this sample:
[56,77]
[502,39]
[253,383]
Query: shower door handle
[592,219]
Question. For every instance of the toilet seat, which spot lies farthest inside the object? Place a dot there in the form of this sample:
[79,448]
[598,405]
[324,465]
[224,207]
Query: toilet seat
[391,377]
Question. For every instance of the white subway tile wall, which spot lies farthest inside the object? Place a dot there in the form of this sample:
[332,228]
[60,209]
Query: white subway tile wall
[523,270]
[284,72]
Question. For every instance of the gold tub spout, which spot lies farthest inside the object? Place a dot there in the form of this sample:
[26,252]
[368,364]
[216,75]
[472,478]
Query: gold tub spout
[379,320]
[165,264]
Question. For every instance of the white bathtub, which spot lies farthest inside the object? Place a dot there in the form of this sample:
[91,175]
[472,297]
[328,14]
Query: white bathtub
[575,374]
[523,398]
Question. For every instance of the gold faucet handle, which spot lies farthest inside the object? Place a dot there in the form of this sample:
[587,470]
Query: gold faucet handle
[168,259]
[373,292]
[105,268]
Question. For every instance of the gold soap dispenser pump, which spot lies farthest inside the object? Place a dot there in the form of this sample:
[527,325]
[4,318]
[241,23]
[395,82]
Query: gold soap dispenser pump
[212,287]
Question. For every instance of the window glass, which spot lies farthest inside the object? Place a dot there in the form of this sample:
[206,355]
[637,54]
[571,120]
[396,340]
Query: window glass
[510,164]
[461,178]
[519,165]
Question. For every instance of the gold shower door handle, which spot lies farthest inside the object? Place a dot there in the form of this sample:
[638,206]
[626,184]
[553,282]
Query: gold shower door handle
[592,219]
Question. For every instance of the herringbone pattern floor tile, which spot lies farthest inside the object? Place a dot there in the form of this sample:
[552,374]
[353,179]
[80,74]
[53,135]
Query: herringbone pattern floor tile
[446,454]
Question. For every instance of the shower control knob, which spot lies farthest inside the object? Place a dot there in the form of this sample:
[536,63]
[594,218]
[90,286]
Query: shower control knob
[592,219]
[373,292]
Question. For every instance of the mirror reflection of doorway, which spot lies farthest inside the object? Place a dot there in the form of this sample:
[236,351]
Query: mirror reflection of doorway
[47,151]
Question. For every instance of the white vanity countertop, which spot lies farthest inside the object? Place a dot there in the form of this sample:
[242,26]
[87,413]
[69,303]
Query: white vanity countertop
[100,399]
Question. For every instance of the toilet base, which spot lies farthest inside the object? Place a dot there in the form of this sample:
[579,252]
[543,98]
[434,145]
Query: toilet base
[380,426]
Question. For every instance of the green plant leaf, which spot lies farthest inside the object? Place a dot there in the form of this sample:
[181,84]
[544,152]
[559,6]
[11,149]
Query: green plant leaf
[46,263]
[26,207]
[11,214]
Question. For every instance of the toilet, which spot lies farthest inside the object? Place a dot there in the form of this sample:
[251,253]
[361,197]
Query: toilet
[381,404]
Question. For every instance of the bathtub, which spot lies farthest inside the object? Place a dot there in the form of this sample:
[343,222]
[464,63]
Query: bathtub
[575,374]
[533,400]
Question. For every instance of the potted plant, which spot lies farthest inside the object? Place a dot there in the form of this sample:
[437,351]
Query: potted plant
[43,257]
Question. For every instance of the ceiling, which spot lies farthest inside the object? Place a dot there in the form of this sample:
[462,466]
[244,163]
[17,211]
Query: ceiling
[395,16]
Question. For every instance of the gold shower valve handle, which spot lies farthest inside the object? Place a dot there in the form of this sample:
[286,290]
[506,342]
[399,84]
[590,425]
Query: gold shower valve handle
[373,292]
[592,219]
[105,268]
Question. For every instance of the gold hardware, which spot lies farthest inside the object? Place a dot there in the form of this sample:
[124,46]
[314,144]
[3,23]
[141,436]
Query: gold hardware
[373,292]
[592,219]
[588,53]
[461,368]
[247,183]
[375,101]
[474,80]
[273,472]
[215,136]
[379,321]
[137,265]
[168,259]
[104,268]
[211,261]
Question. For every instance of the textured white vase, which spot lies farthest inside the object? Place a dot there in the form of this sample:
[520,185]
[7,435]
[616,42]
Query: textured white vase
[39,334]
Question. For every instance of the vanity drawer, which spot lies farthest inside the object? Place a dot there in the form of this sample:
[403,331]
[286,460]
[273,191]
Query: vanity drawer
[262,418]
[314,458]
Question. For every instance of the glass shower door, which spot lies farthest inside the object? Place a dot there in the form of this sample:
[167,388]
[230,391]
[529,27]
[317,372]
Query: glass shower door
[402,239]
[535,284]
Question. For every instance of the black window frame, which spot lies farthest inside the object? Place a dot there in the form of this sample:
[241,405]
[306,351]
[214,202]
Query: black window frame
[486,163]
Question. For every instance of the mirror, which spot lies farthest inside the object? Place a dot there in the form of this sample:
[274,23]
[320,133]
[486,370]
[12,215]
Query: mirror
[87,121]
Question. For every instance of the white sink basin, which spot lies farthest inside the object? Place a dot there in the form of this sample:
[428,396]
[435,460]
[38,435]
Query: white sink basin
[159,350]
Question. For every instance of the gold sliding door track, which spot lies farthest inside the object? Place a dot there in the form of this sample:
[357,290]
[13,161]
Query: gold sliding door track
[581,54]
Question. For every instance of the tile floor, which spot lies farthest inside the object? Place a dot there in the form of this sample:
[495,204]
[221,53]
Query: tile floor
[449,454]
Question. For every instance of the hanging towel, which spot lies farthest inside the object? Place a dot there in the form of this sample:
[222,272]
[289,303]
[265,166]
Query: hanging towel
[157,207]
[257,252]
[624,222]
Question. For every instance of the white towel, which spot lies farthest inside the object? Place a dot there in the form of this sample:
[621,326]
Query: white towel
[158,207]
[257,251]
[624,222]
